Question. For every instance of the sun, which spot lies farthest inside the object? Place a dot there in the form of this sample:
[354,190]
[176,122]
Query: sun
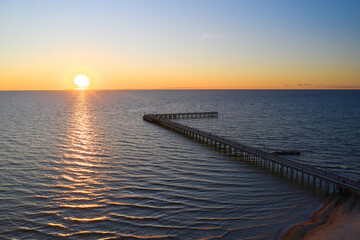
[82,81]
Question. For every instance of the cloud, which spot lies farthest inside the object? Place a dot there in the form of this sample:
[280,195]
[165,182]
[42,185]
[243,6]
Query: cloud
[212,35]
[341,86]
[320,86]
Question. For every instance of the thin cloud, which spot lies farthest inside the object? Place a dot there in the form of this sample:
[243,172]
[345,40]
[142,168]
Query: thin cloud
[304,84]
[341,86]
[319,86]
[212,35]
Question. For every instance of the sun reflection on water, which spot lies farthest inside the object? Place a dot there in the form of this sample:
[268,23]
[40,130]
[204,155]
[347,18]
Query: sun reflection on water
[81,177]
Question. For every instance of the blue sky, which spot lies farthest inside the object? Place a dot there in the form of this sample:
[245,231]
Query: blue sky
[223,36]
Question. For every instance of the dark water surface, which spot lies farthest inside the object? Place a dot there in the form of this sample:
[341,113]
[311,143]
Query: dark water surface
[84,165]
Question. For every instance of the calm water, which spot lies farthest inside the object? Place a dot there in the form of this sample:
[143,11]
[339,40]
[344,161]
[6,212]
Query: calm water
[84,165]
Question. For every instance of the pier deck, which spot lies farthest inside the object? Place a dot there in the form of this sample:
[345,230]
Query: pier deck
[316,176]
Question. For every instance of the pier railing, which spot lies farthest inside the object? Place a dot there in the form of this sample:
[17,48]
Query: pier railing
[332,181]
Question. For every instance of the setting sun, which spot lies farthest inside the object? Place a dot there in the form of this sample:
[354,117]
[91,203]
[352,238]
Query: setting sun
[82,81]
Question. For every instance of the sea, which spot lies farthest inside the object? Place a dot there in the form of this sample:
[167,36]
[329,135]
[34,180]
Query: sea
[85,165]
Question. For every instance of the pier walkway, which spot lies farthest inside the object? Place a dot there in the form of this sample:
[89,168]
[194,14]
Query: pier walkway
[293,169]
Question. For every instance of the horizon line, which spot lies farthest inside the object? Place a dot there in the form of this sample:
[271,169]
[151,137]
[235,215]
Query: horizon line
[187,89]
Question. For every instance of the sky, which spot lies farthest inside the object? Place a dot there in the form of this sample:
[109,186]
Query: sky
[180,44]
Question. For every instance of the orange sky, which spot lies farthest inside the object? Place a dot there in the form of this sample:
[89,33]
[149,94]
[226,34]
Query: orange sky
[207,45]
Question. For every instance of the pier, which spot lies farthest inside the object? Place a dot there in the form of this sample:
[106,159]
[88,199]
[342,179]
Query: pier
[284,166]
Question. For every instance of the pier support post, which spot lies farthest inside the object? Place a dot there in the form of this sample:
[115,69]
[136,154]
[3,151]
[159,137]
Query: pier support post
[275,163]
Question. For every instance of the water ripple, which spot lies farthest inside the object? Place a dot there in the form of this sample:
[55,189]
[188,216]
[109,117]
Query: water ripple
[84,165]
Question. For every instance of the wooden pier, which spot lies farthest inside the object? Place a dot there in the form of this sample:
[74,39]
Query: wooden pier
[306,173]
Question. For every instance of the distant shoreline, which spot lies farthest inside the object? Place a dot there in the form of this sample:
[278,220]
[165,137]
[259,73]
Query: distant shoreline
[339,218]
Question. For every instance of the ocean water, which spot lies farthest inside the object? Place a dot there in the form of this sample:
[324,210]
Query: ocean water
[84,165]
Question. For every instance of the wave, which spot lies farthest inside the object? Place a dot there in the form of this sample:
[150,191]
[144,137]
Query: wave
[147,218]
[57,225]
[81,206]
[95,219]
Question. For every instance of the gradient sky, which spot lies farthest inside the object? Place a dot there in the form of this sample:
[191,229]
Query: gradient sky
[162,44]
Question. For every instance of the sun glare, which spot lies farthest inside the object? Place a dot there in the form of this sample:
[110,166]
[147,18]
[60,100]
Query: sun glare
[82,81]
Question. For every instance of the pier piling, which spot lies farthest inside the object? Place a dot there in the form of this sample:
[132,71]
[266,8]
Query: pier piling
[274,162]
